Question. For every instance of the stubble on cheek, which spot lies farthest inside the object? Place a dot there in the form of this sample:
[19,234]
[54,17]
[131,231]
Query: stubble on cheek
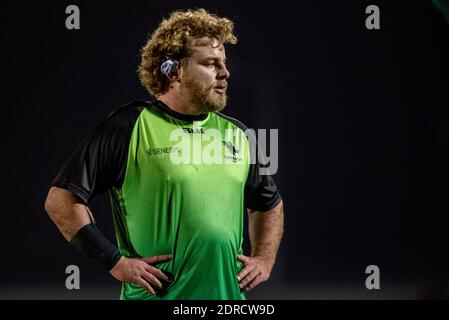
[205,97]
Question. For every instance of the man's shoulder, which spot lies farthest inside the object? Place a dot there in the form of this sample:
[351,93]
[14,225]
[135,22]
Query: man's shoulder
[129,108]
[126,115]
[234,121]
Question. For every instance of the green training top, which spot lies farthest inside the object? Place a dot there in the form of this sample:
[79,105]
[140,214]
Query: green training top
[178,185]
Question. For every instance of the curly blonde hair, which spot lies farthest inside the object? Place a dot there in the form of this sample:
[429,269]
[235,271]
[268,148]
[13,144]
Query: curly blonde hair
[171,40]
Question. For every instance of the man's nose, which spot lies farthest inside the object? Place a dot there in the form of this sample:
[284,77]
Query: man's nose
[223,73]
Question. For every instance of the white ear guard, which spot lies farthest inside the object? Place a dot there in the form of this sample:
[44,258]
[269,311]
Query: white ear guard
[169,67]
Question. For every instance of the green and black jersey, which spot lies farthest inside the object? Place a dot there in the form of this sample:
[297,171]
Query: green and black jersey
[163,204]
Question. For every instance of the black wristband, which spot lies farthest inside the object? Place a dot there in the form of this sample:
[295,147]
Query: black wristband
[96,246]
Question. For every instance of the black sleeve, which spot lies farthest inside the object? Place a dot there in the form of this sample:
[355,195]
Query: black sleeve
[261,192]
[99,162]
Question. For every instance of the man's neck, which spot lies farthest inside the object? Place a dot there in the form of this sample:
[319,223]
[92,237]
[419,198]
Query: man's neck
[179,103]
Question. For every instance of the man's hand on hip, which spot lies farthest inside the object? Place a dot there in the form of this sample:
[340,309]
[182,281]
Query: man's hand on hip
[256,270]
[141,272]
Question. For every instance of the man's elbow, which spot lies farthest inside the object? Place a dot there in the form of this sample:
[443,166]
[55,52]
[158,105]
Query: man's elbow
[50,204]
[57,199]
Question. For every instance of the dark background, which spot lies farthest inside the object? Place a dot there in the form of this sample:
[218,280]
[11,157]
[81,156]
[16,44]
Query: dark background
[363,127]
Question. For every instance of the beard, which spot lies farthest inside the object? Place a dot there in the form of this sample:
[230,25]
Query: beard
[204,97]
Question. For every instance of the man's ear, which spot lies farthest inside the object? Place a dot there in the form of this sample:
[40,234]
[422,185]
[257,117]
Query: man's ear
[171,69]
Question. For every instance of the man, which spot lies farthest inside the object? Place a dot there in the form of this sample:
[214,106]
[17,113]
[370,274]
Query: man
[178,223]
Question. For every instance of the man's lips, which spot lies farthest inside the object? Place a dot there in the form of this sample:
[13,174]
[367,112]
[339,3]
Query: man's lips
[220,89]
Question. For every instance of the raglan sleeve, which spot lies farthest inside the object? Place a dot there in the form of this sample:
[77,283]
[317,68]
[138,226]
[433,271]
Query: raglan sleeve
[98,163]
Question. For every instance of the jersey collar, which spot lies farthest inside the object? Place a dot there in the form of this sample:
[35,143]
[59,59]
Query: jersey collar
[184,117]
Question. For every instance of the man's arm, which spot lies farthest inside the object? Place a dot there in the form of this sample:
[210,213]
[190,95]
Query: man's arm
[71,215]
[66,211]
[265,232]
